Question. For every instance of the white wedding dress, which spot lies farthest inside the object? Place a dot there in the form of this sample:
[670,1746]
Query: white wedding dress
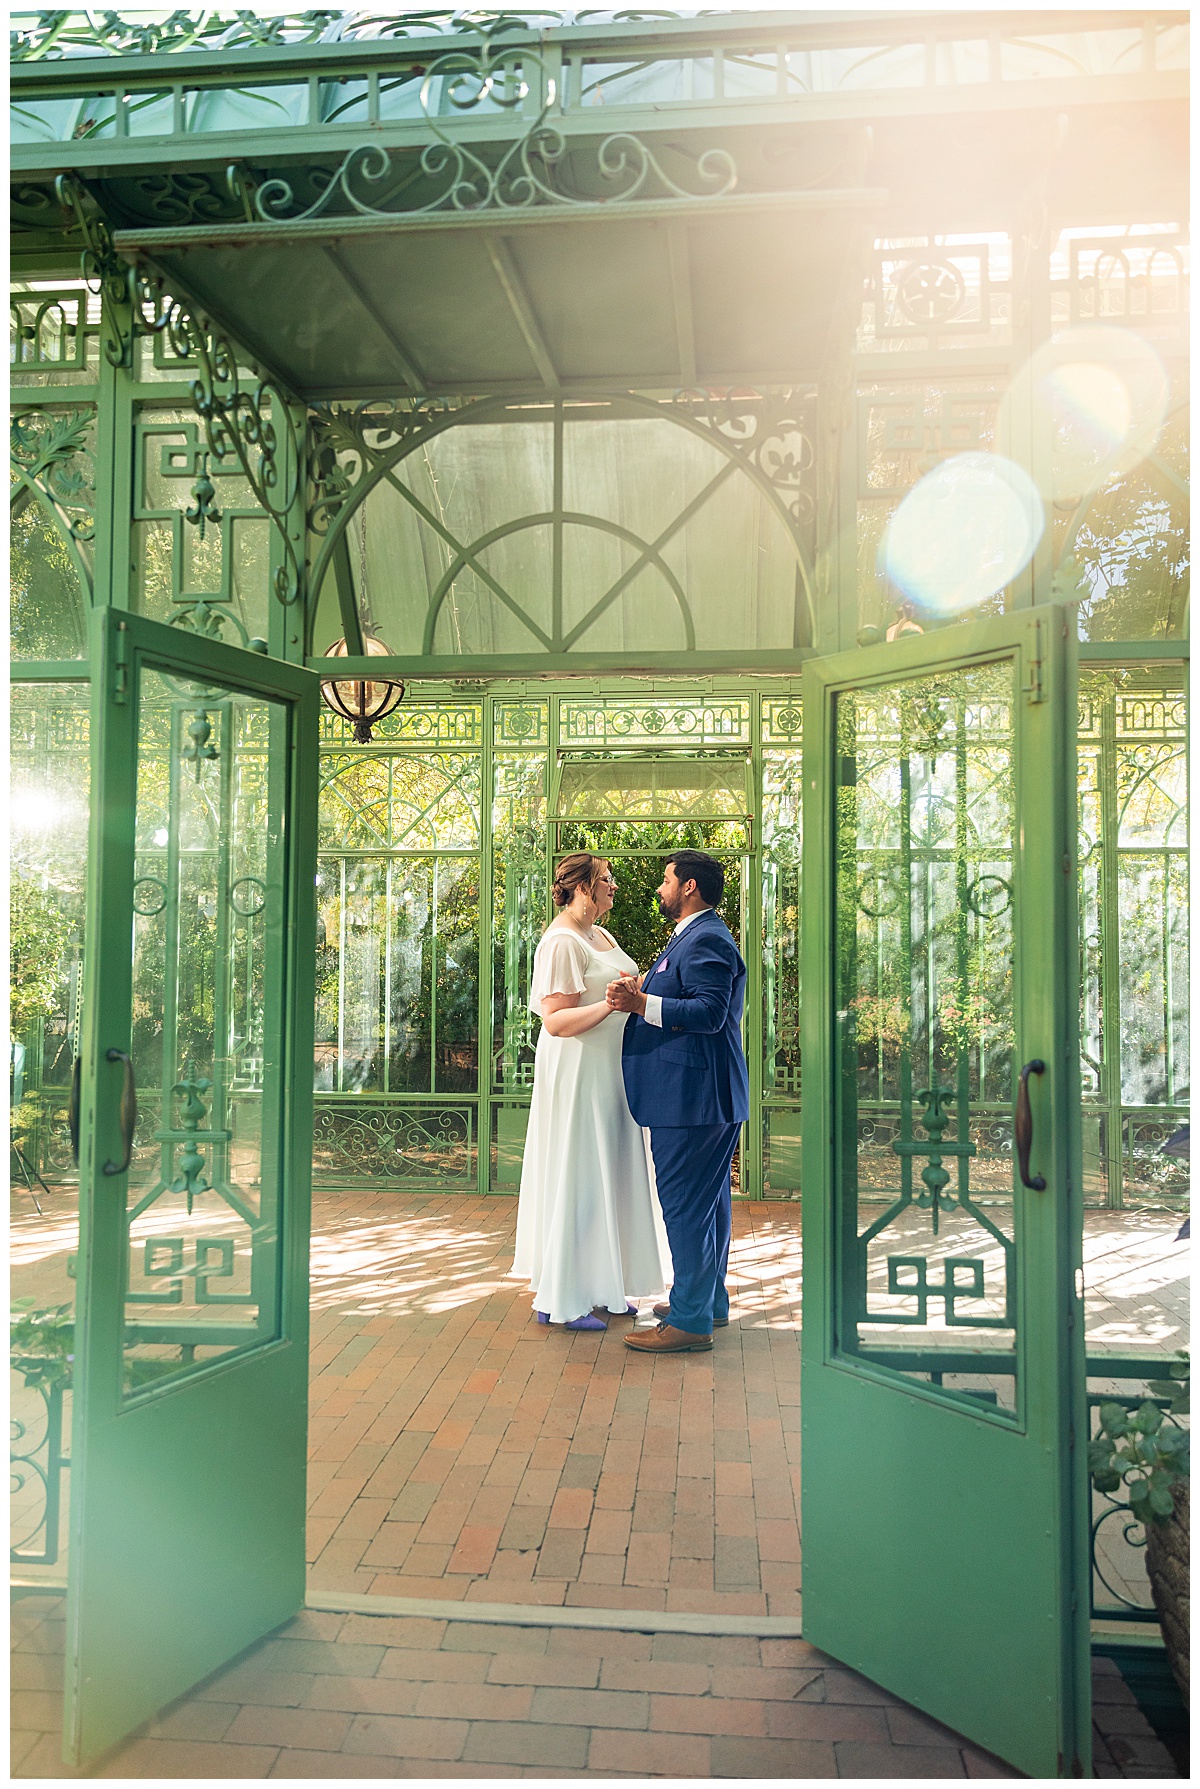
[588,1231]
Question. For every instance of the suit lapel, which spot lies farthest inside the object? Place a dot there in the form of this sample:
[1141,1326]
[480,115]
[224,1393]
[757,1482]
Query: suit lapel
[675,942]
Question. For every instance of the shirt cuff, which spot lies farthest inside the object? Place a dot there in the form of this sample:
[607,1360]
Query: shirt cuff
[653,1012]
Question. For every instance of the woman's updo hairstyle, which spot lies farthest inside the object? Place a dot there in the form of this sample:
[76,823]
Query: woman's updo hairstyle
[577,871]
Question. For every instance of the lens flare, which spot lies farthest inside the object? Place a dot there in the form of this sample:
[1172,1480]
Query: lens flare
[1097,396]
[34,810]
[963,533]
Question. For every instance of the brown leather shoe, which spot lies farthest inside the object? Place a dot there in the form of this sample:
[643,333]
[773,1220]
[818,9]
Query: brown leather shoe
[665,1340]
[664,1310]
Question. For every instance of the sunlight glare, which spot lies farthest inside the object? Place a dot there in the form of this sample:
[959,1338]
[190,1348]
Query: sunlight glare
[1098,395]
[964,532]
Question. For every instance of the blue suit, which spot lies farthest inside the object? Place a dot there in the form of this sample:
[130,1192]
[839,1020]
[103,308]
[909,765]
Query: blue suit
[686,1081]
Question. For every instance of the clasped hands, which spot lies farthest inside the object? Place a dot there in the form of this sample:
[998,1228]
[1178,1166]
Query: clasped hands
[624,995]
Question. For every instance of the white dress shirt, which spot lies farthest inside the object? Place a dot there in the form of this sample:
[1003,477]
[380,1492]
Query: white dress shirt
[653,1012]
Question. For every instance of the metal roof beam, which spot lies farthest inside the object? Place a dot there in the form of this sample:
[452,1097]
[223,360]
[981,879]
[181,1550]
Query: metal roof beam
[514,290]
[408,366]
[681,295]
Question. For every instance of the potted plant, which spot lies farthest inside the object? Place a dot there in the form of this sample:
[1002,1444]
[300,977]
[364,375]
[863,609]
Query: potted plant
[1148,1450]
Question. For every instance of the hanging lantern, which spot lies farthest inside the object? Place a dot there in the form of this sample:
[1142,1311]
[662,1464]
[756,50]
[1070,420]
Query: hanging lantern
[357,701]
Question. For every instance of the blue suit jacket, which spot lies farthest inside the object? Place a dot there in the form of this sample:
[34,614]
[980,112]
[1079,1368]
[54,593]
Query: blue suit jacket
[692,1069]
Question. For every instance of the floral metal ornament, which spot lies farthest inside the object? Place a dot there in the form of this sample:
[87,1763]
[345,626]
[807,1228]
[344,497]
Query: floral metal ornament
[51,459]
[199,751]
[204,510]
[191,1177]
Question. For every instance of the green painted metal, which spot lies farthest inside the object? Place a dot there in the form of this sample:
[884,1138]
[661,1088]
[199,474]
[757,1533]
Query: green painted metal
[916,1491]
[883,1446]
[180,1419]
[1133,929]
[481,790]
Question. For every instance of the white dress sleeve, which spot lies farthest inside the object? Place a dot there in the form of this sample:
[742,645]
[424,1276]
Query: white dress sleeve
[559,967]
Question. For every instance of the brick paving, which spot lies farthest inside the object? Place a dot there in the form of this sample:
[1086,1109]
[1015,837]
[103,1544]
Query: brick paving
[382,1696]
[459,1450]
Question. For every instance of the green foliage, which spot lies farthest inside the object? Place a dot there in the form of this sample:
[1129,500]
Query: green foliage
[41,928]
[46,618]
[635,920]
[1147,1450]
[41,1347]
[41,1343]
[1131,558]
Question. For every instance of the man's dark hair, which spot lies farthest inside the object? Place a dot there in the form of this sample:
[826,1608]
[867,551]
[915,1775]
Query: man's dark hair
[703,870]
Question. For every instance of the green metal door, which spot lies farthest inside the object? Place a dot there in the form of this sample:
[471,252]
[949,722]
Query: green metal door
[943,1487]
[188,1450]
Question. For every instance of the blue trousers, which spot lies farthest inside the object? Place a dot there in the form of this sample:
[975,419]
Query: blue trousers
[691,1169]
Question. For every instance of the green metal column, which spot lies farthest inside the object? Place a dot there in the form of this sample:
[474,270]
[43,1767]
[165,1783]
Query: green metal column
[752,931]
[1110,958]
[114,451]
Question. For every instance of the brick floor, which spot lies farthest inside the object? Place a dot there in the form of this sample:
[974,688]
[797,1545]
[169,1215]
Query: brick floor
[461,1451]
[351,1695]
[458,1451]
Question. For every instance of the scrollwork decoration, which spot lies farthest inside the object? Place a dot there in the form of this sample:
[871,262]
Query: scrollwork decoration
[252,426]
[531,172]
[771,432]
[103,269]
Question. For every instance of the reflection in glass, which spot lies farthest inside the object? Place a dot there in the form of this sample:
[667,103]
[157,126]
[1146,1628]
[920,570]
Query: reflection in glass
[924,929]
[1133,929]
[203,1198]
[48,814]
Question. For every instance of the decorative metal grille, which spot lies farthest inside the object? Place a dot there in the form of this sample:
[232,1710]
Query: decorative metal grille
[1134,912]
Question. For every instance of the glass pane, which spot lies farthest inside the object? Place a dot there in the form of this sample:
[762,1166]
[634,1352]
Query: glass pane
[924,965]
[1133,933]
[638,854]
[49,598]
[520,906]
[203,1212]
[456,1002]
[674,785]
[48,813]
[410,994]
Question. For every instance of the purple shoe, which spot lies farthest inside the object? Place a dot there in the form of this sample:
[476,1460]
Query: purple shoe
[588,1322]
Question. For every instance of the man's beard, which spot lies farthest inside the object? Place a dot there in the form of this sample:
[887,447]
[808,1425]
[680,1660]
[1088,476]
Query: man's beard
[669,906]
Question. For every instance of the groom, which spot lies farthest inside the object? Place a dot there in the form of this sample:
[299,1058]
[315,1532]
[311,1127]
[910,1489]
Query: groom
[685,1077]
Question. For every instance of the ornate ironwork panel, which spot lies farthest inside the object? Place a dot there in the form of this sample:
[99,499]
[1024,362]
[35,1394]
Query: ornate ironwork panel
[201,547]
[924,905]
[201,1218]
[1134,933]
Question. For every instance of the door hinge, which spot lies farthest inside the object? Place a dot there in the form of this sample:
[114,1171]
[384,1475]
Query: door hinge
[120,664]
[1033,688]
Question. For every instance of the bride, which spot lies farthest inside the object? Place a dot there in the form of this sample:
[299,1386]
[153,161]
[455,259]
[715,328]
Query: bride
[586,1232]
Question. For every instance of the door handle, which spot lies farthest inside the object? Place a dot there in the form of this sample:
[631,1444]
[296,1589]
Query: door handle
[1023,1126]
[73,1110]
[127,1112]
